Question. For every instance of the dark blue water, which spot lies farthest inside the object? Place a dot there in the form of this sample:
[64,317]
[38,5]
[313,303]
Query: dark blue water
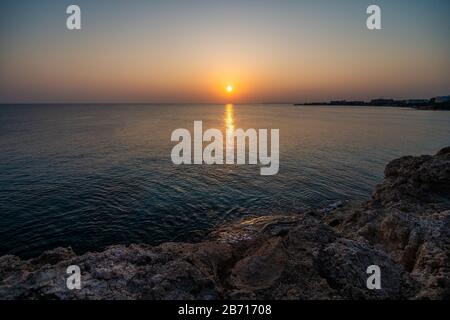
[89,176]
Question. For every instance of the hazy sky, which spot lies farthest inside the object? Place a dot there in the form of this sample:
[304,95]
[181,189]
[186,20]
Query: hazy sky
[189,51]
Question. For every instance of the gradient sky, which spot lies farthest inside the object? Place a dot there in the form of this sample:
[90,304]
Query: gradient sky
[188,51]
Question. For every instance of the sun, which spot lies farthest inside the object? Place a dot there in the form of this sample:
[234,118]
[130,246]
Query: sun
[230,89]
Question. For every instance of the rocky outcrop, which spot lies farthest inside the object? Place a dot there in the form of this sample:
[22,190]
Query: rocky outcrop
[408,218]
[404,229]
[414,182]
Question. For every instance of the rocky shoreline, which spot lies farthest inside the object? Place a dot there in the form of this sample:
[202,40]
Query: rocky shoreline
[323,254]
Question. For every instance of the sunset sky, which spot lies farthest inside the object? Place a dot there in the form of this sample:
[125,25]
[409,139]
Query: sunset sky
[190,51]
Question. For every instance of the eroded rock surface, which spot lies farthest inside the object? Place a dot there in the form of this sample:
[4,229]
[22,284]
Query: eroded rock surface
[323,254]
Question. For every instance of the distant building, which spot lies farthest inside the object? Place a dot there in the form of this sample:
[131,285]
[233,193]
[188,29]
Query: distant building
[356,103]
[417,101]
[382,102]
[436,103]
[443,99]
[338,102]
[347,103]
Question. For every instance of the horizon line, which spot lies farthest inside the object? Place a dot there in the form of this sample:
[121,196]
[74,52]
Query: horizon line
[136,103]
[206,103]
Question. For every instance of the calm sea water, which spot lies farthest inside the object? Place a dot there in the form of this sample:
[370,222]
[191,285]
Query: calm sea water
[89,176]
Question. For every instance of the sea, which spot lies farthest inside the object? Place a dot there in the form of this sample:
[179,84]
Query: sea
[93,175]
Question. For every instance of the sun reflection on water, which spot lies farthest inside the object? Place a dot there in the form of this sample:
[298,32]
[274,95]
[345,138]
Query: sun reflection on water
[229,117]
[229,125]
